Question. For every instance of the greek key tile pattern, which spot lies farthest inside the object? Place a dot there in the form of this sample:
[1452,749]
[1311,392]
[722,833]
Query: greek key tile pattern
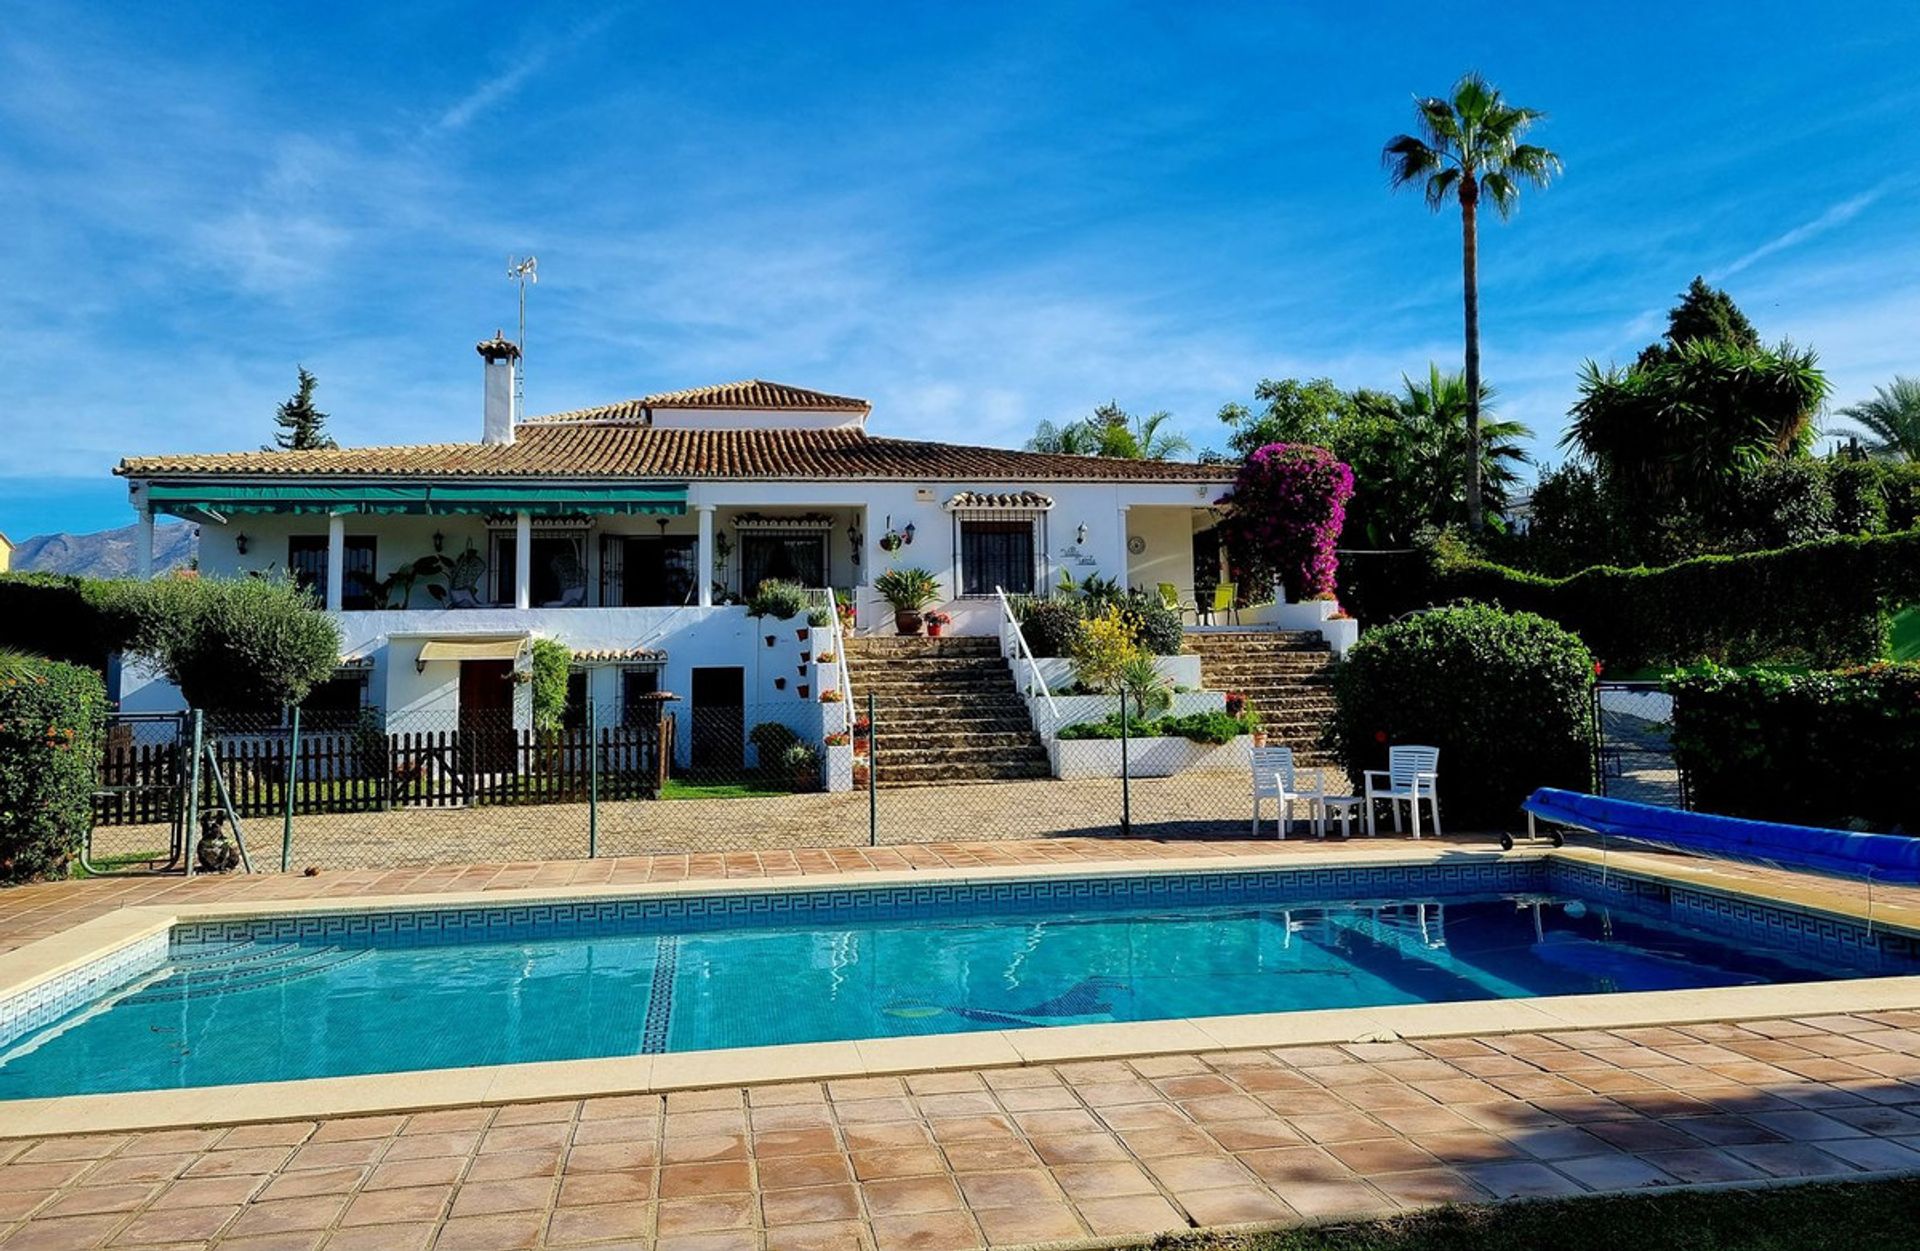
[1826,938]
[744,908]
[46,1003]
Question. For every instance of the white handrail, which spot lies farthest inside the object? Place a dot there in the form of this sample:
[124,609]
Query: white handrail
[1026,653]
[838,638]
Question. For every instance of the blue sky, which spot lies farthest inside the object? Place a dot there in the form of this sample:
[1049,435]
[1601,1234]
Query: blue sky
[978,216]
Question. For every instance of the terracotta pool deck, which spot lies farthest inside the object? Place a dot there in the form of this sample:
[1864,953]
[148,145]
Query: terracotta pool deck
[1050,1153]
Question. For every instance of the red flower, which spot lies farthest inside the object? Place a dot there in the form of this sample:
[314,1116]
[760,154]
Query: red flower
[1599,667]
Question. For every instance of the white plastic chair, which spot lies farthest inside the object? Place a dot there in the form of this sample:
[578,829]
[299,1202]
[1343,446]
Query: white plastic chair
[1273,778]
[1412,774]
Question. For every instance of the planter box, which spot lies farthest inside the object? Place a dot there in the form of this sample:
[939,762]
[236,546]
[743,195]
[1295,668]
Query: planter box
[1074,709]
[1183,670]
[839,768]
[833,717]
[1150,758]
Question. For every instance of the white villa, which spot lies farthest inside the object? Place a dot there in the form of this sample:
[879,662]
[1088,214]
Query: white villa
[630,531]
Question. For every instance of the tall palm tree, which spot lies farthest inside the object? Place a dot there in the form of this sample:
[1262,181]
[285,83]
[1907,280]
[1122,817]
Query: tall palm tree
[1469,144]
[1076,438]
[1893,417]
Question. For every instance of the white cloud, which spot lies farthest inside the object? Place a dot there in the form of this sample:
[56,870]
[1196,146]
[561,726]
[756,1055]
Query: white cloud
[1837,215]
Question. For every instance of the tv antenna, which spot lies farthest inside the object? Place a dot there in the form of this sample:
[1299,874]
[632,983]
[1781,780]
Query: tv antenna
[526,272]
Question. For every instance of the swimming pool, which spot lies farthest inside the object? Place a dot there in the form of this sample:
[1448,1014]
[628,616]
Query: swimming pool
[381,991]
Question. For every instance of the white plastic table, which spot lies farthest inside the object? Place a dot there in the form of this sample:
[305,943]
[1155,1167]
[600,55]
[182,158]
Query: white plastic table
[1343,808]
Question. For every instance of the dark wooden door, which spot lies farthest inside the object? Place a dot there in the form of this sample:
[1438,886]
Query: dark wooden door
[486,715]
[719,722]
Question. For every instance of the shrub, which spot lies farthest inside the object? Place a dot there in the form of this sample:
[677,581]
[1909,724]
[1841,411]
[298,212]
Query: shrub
[770,742]
[239,645]
[1824,603]
[79,620]
[52,721]
[1213,727]
[1284,517]
[1050,625]
[1782,502]
[1831,749]
[1504,696]
[1156,627]
[550,662]
[1148,688]
[1860,490]
[777,599]
[1102,649]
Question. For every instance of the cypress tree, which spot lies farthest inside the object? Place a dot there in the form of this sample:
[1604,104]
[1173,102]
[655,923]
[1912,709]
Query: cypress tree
[302,426]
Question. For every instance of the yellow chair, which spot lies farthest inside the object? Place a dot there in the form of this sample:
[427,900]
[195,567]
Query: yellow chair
[1225,600]
[1170,598]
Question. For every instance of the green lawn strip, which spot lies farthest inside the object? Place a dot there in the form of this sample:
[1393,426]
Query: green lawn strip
[107,864]
[1906,633]
[1859,1216]
[676,788]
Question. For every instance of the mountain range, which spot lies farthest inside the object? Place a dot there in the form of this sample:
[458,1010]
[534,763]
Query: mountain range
[106,553]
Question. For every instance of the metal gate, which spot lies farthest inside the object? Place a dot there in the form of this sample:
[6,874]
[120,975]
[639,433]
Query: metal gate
[1633,744]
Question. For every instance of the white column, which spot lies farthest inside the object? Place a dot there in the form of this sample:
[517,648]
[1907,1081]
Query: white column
[703,555]
[336,559]
[523,560]
[1122,540]
[143,546]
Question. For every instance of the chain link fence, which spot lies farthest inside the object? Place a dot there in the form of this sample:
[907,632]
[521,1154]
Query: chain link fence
[372,789]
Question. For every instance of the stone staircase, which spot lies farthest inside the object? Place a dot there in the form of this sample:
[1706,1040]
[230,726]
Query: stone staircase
[945,711]
[1287,675]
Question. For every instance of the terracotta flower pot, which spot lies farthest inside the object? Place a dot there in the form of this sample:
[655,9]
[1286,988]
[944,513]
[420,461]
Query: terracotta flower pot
[906,622]
[805,690]
[770,640]
[779,684]
[801,635]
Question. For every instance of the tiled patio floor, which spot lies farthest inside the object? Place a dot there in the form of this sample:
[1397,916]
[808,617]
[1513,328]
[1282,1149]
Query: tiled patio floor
[1012,1156]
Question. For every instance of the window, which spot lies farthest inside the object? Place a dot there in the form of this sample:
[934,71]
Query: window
[644,571]
[798,558]
[574,715]
[997,552]
[636,685]
[307,559]
[559,576]
[336,702]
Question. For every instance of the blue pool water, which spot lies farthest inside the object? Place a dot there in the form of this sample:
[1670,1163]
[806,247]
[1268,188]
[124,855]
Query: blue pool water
[244,1003]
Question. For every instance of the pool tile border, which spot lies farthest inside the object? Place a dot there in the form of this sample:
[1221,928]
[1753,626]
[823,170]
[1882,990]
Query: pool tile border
[45,962]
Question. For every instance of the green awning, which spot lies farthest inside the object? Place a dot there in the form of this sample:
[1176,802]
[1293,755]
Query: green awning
[541,501]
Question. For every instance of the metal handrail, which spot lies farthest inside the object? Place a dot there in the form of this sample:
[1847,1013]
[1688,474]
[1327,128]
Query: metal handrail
[838,637]
[1026,653]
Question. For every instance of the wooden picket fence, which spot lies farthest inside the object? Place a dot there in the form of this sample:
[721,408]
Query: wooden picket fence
[358,770]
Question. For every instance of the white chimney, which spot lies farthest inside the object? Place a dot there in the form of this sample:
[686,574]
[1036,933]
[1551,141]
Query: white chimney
[502,356]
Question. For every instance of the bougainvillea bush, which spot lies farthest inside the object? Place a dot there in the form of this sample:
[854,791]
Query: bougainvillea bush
[1504,696]
[1284,518]
[51,719]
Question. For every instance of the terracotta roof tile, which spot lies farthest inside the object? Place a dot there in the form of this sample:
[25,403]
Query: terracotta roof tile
[624,450]
[1032,500]
[747,395]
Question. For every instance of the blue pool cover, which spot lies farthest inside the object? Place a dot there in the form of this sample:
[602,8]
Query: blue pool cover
[1882,857]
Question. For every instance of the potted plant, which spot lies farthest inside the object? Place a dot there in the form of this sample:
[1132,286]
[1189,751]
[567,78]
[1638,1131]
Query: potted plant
[907,591]
[936,622]
[830,696]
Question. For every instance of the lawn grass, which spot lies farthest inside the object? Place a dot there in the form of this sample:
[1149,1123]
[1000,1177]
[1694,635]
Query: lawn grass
[1859,1216]
[108,864]
[1906,633]
[678,788]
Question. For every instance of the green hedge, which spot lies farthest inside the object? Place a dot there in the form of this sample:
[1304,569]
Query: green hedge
[1504,696]
[1825,603]
[79,620]
[1831,749]
[1052,625]
[1213,727]
[52,721]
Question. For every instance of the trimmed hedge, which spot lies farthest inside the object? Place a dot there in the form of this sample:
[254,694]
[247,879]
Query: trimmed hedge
[1825,603]
[1831,749]
[52,721]
[79,620]
[1052,625]
[1504,696]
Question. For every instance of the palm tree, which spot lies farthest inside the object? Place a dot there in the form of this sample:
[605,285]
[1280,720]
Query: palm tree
[1434,419]
[1893,417]
[1111,432]
[1470,144]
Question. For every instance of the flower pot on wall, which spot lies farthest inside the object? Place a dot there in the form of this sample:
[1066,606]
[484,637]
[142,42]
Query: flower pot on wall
[806,690]
[933,629]
[801,635]
[906,622]
[779,684]
[770,640]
